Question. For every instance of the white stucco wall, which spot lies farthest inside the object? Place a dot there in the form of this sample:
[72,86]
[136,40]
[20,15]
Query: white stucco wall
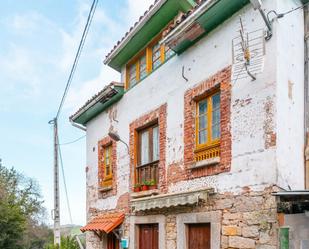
[253,164]
[290,94]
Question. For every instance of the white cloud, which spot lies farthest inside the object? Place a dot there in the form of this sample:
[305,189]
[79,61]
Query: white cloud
[133,10]
[19,67]
[79,95]
[24,23]
[137,8]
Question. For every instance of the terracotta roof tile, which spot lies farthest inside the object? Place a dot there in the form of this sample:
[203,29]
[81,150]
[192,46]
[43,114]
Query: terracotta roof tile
[181,17]
[106,222]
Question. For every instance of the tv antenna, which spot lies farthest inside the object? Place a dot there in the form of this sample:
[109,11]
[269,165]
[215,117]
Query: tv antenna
[248,51]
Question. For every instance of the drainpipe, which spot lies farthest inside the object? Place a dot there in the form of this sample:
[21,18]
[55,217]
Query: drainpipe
[306,92]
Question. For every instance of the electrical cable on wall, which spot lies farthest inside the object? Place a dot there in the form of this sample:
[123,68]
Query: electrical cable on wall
[280,15]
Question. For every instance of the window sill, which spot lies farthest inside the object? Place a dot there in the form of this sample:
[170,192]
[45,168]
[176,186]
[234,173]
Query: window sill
[136,195]
[105,189]
[205,163]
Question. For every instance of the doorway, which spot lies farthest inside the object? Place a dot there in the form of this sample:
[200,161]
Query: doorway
[149,236]
[112,241]
[199,236]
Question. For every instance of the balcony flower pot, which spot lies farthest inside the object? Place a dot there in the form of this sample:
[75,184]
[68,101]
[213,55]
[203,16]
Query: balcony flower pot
[152,187]
[153,184]
[145,187]
[137,188]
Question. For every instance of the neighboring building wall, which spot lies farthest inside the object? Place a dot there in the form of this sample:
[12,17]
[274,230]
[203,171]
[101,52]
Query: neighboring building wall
[299,230]
[290,94]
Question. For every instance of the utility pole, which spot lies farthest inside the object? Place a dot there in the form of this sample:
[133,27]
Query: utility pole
[56,210]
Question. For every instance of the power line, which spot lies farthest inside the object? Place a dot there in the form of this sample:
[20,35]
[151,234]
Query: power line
[74,141]
[78,53]
[64,183]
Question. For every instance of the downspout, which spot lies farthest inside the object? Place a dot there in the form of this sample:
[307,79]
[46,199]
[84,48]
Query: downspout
[306,93]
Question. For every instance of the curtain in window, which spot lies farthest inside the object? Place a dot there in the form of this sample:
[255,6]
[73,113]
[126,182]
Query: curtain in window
[203,121]
[143,71]
[216,116]
[144,147]
[155,139]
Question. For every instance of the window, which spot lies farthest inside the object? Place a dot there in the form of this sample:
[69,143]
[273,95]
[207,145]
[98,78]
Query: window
[148,154]
[168,53]
[143,67]
[133,74]
[156,56]
[208,126]
[107,164]
[146,61]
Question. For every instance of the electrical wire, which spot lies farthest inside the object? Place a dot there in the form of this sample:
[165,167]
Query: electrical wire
[280,15]
[64,183]
[78,53]
[74,141]
[292,10]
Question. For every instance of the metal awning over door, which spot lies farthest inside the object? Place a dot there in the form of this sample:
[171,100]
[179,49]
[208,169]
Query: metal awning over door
[170,200]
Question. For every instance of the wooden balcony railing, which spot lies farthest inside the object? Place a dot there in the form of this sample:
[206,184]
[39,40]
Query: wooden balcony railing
[147,172]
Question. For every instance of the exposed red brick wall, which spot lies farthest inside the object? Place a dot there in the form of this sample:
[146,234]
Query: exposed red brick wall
[221,80]
[158,115]
[106,141]
[123,203]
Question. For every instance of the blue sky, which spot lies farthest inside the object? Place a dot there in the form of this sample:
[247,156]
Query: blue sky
[38,42]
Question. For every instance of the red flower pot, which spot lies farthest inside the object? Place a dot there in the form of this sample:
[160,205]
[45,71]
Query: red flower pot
[137,189]
[145,187]
[151,187]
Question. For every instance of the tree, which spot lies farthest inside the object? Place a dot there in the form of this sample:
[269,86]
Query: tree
[21,212]
[66,243]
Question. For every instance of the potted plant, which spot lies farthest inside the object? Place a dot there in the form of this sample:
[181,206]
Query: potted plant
[137,187]
[145,185]
[153,184]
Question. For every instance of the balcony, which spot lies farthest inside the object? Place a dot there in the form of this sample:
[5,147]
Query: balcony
[147,173]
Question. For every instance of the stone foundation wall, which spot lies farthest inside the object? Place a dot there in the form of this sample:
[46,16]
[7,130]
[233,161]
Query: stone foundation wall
[249,220]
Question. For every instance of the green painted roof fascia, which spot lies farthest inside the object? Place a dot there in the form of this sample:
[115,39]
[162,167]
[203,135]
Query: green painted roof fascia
[212,18]
[98,108]
[150,29]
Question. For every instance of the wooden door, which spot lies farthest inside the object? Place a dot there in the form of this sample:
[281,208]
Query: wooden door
[199,236]
[149,236]
[112,241]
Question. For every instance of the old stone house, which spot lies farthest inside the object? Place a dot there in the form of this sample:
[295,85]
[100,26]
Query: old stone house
[206,124]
